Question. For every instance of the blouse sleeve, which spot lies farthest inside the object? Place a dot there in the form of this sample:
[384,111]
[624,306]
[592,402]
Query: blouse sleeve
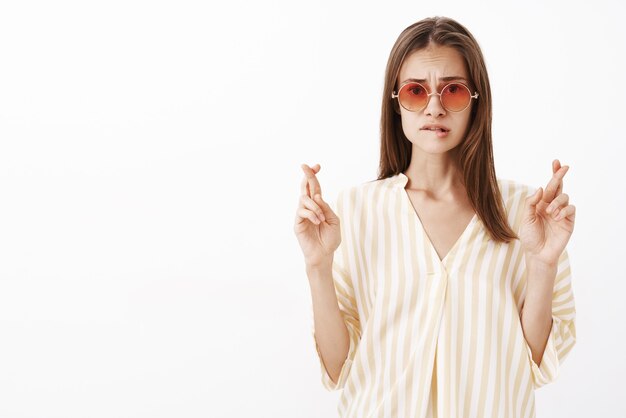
[344,290]
[563,332]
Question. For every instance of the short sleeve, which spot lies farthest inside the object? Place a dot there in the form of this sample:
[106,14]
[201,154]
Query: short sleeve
[563,332]
[344,290]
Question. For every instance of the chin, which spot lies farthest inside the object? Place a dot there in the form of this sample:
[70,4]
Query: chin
[440,146]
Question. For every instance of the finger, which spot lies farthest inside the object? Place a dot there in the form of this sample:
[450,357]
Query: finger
[329,215]
[558,202]
[531,204]
[303,188]
[533,199]
[556,166]
[568,211]
[304,214]
[308,203]
[559,189]
[555,185]
[313,184]
[315,168]
[304,185]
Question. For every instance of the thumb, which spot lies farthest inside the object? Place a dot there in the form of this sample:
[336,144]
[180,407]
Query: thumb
[328,212]
[531,204]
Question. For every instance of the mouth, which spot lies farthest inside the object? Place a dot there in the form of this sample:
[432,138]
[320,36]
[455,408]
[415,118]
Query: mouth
[439,132]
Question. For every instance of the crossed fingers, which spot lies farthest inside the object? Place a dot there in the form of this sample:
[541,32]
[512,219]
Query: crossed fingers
[555,185]
[310,186]
[557,201]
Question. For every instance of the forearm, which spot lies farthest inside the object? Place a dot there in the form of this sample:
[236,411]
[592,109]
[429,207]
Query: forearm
[536,315]
[331,333]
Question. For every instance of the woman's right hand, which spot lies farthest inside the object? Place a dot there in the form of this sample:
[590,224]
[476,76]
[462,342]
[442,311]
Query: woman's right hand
[316,225]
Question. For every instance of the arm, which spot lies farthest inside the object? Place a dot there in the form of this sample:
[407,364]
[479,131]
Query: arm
[547,313]
[536,315]
[548,318]
[330,331]
[337,328]
[335,317]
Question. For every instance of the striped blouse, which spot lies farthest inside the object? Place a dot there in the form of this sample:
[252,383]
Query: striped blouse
[431,337]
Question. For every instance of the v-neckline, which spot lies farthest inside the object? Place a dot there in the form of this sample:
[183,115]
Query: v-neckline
[433,251]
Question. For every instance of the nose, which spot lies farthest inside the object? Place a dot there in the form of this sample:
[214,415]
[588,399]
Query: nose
[434,108]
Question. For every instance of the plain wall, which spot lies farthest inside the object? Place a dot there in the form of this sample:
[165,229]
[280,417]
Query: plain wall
[150,173]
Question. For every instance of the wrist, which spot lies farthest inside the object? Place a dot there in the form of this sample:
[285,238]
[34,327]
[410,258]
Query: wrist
[320,267]
[540,276]
[538,264]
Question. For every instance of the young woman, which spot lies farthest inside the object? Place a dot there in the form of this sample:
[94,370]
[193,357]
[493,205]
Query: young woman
[426,302]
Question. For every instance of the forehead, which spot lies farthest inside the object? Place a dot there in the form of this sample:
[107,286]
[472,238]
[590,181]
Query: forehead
[433,62]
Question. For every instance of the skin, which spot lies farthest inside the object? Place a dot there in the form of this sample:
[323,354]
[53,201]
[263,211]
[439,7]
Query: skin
[547,225]
[435,182]
[432,168]
[317,229]
[316,225]
[435,186]
[548,220]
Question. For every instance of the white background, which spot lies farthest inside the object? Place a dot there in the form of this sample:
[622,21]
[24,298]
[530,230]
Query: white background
[150,159]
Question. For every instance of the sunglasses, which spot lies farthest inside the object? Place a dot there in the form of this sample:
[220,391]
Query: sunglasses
[455,97]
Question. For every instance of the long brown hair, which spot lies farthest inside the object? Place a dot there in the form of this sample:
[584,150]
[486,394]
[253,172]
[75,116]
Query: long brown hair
[474,155]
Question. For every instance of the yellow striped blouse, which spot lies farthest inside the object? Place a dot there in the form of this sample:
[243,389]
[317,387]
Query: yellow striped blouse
[431,337]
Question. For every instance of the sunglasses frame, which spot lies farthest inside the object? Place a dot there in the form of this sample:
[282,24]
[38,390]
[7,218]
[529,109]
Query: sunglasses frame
[472,96]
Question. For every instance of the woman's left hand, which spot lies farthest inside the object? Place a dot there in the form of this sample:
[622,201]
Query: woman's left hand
[548,220]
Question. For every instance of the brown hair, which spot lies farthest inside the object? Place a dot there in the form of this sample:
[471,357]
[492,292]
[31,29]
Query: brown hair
[474,155]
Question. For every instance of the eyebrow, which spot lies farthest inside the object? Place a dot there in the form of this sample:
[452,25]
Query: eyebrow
[442,79]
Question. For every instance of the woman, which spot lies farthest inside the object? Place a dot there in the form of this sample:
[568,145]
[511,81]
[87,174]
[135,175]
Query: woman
[426,303]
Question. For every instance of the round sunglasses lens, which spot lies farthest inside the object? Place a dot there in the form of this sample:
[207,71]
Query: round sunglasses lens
[413,97]
[455,97]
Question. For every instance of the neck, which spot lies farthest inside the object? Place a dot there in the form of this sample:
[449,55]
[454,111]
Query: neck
[436,174]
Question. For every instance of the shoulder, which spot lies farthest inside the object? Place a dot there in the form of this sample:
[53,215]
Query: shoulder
[514,194]
[352,198]
[514,190]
